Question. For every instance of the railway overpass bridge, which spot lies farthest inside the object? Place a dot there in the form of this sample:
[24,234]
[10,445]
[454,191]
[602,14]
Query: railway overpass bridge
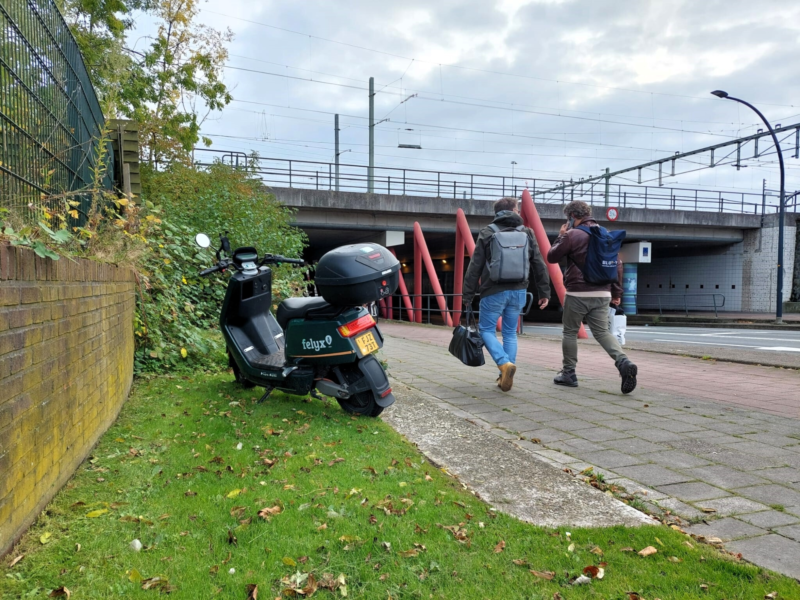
[732,255]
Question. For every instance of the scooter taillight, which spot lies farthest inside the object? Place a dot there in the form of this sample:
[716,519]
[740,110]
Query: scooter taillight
[355,327]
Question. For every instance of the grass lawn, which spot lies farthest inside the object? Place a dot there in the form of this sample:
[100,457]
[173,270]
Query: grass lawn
[351,508]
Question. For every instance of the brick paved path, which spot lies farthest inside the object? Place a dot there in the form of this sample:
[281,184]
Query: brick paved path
[695,434]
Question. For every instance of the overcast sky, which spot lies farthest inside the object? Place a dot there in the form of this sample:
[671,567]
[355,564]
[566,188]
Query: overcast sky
[565,88]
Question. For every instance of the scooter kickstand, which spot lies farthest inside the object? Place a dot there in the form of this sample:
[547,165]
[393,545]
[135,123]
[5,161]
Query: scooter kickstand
[267,392]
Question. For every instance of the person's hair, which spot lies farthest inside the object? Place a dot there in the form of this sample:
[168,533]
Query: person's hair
[578,210]
[505,204]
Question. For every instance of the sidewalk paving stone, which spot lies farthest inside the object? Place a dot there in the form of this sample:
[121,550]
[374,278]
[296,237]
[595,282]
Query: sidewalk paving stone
[771,494]
[771,551]
[653,475]
[726,529]
[676,459]
[733,505]
[790,531]
[693,491]
[769,519]
[679,508]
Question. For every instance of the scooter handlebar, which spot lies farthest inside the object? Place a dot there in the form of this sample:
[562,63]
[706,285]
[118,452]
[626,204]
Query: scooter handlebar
[210,270]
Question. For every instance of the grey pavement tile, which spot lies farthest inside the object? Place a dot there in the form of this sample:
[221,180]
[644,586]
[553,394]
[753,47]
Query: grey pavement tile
[792,510]
[496,416]
[726,529]
[732,428]
[580,444]
[734,505]
[652,475]
[745,462]
[601,434]
[771,494]
[772,438]
[611,459]
[717,437]
[570,424]
[642,417]
[458,412]
[702,421]
[782,474]
[558,457]
[501,433]
[676,458]
[679,508]
[769,519]
[679,426]
[771,551]
[758,449]
[790,531]
[724,477]
[613,409]
[663,411]
[693,491]
[658,435]
[546,435]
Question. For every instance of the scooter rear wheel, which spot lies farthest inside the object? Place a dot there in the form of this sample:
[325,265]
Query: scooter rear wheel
[362,403]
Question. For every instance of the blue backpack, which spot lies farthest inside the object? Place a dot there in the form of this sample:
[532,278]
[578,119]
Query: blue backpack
[602,256]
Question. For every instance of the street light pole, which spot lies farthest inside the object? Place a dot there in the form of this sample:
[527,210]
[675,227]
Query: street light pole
[782,209]
[513,164]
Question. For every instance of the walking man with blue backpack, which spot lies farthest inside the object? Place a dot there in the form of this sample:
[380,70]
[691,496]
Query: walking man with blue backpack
[593,279]
[505,255]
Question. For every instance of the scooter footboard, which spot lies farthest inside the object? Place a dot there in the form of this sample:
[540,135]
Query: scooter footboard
[378,381]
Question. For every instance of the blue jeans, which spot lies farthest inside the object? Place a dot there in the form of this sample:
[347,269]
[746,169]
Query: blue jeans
[509,305]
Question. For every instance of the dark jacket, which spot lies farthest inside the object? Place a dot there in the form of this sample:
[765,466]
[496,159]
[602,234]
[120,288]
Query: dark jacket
[479,265]
[574,245]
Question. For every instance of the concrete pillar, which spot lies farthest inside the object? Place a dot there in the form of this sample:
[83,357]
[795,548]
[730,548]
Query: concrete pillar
[760,258]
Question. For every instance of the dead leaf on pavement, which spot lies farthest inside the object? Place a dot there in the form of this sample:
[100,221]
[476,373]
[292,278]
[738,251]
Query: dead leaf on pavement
[252,591]
[16,560]
[548,575]
[708,510]
[647,551]
[500,547]
[59,592]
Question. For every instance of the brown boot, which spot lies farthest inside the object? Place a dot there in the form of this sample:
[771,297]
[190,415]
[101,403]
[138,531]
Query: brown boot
[507,371]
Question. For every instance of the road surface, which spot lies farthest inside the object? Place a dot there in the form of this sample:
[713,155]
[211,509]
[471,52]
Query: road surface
[751,340]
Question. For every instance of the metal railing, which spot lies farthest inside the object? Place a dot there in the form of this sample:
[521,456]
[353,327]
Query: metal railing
[49,113]
[683,302]
[306,174]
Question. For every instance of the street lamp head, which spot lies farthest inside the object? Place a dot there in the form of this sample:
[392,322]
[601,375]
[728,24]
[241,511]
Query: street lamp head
[513,162]
[719,94]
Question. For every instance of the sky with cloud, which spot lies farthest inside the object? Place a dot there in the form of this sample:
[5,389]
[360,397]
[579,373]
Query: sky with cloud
[563,88]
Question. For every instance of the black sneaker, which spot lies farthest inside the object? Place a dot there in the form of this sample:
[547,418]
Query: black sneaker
[627,370]
[567,378]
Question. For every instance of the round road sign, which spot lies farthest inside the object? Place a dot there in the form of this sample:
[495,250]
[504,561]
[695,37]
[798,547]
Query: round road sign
[612,214]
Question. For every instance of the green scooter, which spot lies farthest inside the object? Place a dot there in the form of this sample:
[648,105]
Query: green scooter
[312,345]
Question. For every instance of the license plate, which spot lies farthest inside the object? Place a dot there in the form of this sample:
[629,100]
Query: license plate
[366,343]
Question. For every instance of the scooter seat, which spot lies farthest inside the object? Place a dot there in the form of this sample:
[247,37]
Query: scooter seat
[297,308]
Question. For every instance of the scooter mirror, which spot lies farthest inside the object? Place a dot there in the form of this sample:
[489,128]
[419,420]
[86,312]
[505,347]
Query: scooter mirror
[202,240]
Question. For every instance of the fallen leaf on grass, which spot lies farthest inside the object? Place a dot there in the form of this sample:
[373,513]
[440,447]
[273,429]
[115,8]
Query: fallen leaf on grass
[238,511]
[571,547]
[233,493]
[289,562]
[409,553]
[633,596]
[548,575]
[521,562]
[59,592]
[213,570]
[647,551]
[232,538]
[500,547]
[771,596]
[334,461]
[674,559]
[45,537]
[597,550]
[267,513]
[626,549]
[96,513]
[322,527]
[159,583]
[252,591]
[582,580]
[134,576]
[704,587]
[16,560]
[190,493]
[660,543]
[592,571]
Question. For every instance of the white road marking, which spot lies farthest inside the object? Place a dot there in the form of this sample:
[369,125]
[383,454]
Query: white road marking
[781,349]
[708,344]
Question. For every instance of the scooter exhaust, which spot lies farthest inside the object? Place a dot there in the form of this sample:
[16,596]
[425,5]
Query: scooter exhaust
[328,388]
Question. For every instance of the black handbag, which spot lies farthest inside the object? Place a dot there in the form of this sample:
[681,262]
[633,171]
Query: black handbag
[467,344]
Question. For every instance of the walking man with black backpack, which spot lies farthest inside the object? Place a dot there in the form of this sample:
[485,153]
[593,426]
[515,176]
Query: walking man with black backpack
[505,254]
[593,279]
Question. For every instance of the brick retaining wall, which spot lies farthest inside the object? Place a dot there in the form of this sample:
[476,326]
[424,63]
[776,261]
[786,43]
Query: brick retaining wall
[66,367]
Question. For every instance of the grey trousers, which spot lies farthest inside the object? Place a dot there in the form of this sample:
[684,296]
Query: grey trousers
[595,310]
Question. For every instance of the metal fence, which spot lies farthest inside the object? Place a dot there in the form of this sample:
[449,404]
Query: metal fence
[49,113]
[281,172]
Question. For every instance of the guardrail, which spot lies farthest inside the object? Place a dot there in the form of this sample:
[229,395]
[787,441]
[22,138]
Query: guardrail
[306,174]
[713,304]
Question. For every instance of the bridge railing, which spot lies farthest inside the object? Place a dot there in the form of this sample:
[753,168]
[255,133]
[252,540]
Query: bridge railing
[305,174]
[685,302]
